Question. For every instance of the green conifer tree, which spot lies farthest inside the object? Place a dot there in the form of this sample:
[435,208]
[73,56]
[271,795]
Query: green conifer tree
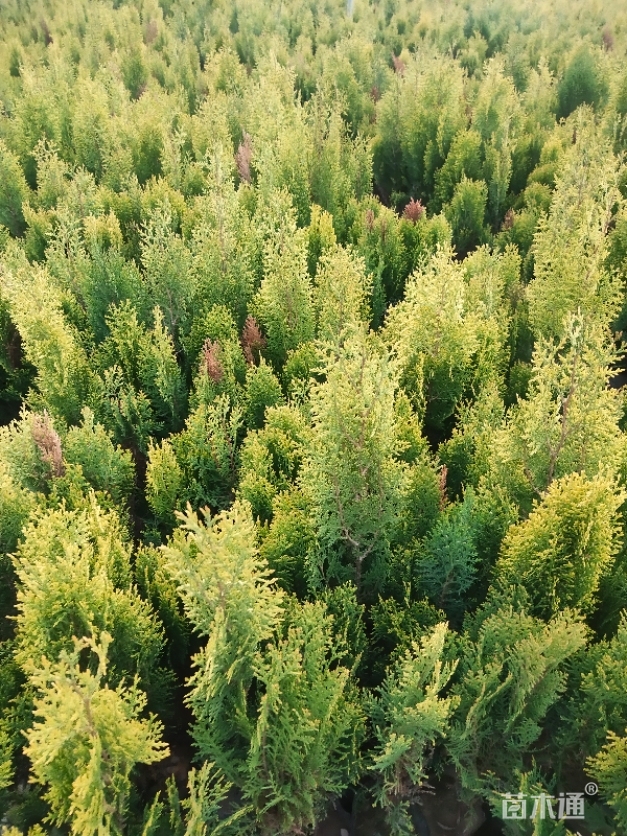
[14,192]
[351,473]
[342,293]
[283,303]
[565,546]
[86,739]
[568,422]
[410,715]
[64,379]
[74,580]
[512,671]
[273,709]
[570,245]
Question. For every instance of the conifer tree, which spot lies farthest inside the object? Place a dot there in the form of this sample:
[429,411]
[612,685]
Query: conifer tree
[446,334]
[230,599]
[74,579]
[224,250]
[342,293]
[64,380]
[417,120]
[570,245]
[383,248]
[168,276]
[351,474]
[86,739]
[446,567]
[565,546]
[270,458]
[496,118]
[341,164]
[263,391]
[165,483]
[14,192]
[141,382]
[582,82]
[31,452]
[309,725]
[206,454]
[218,356]
[283,303]
[321,237]
[609,768]
[273,708]
[567,423]
[202,812]
[595,704]
[409,716]
[105,465]
[466,214]
[16,505]
[289,540]
[463,159]
[512,671]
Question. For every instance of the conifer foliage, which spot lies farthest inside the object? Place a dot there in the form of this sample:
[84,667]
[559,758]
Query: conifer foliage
[313,438]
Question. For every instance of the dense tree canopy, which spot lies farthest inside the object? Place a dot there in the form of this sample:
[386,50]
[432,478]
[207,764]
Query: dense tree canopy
[313,451]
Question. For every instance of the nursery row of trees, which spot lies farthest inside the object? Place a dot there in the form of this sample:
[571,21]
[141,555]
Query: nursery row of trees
[308,452]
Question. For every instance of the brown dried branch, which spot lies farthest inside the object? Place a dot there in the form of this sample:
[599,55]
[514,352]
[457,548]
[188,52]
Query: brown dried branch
[47,440]
[251,340]
[211,360]
[508,220]
[442,486]
[608,39]
[151,30]
[399,66]
[413,211]
[243,158]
